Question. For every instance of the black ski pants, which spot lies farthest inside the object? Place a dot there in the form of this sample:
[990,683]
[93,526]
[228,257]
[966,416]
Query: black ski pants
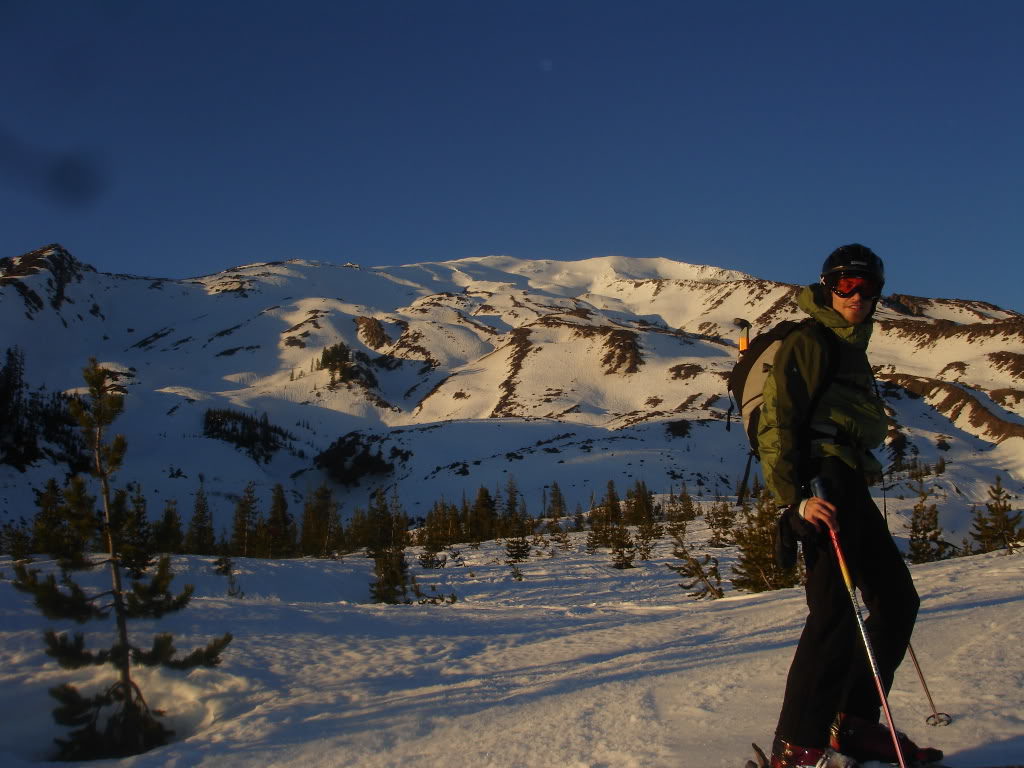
[830,671]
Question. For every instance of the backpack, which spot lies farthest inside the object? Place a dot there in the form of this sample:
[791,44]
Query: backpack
[747,379]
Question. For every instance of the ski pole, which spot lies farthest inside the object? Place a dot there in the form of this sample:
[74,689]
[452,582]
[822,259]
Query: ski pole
[818,489]
[936,717]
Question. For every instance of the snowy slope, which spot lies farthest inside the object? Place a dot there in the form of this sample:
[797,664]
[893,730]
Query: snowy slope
[578,665]
[479,368]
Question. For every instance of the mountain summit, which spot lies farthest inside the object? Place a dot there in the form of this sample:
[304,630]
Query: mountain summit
[438,378]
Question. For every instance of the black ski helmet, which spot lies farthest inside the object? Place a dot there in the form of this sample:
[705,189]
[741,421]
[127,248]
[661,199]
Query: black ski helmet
[853,259]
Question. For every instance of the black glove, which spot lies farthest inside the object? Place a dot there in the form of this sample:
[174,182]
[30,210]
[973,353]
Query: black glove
[789,528]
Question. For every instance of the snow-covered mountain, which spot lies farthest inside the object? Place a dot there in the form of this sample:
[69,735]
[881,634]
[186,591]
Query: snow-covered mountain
[457,374]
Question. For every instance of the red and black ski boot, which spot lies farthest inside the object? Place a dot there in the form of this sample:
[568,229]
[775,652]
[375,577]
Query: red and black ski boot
[786,755]
[866,740]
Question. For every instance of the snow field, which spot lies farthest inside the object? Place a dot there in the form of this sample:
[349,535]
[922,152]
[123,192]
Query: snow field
[576,665]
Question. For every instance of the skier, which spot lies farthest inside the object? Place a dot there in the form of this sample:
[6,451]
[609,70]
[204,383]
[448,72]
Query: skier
[831,709]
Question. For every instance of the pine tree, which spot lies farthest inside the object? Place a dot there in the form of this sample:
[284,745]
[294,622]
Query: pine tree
[316,522]
[18,435]
[434,535]
[78,526]
[1007,523]
[604,519]
[699,574]
[134,538]
[280,529]
[388,536]
[679,511]
[755,569]
[640,506]
[482,523]
[999,527]
[579,521]
[622,546]
[391,576]
[721,518]
[200,538]
[16,539]
[611,504]
[509,521]
[554,509]
[49,526]
[517,549]
[642,512]
[131,727]
[244,522]
[384,529]
[926,543]
[167,535]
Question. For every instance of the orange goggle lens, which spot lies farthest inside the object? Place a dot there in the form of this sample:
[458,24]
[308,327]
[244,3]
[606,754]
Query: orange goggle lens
[845,287]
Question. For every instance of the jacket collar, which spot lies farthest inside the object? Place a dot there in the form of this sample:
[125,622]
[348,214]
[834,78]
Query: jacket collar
[814,300]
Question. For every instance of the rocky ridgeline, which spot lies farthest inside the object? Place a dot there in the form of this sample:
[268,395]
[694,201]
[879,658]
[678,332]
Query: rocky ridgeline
[634,352]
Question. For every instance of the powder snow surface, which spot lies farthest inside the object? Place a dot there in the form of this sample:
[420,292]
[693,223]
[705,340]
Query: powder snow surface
[578,665]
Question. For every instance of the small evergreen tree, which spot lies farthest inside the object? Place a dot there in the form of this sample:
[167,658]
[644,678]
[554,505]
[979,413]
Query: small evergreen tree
[243,527]
[604,519]
[611,504]
[134,540]
[578,518]
[167,535]
[999,526]
[280,538]
[679,511]
[435,534]
[517,549]
[644,513]
[130,727]
[391,575]
[316,522]
[200,538]
[16,539]
[926,542]
[555,510]
[755,569]
[622,546]
[517,527]
[721,519]
[599,534]
[50,525]
[482,522]
[388,538]
[640,505]
[699,574]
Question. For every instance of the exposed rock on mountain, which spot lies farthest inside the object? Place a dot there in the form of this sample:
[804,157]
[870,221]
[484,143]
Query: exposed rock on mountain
[438,378]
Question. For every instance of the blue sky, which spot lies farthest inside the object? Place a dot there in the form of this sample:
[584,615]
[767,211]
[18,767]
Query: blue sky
[750,135]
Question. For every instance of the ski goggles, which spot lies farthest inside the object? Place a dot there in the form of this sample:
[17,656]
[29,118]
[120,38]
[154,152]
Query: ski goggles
[845,286]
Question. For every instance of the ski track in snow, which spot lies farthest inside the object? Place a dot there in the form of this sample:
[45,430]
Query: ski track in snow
[577,665]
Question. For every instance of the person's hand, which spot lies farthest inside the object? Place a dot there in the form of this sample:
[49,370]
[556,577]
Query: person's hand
[821,513]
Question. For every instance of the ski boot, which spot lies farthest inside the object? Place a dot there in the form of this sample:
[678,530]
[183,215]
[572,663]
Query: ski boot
[866,740]
[786,755]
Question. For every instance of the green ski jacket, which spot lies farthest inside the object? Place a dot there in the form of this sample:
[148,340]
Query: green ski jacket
[849,418]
